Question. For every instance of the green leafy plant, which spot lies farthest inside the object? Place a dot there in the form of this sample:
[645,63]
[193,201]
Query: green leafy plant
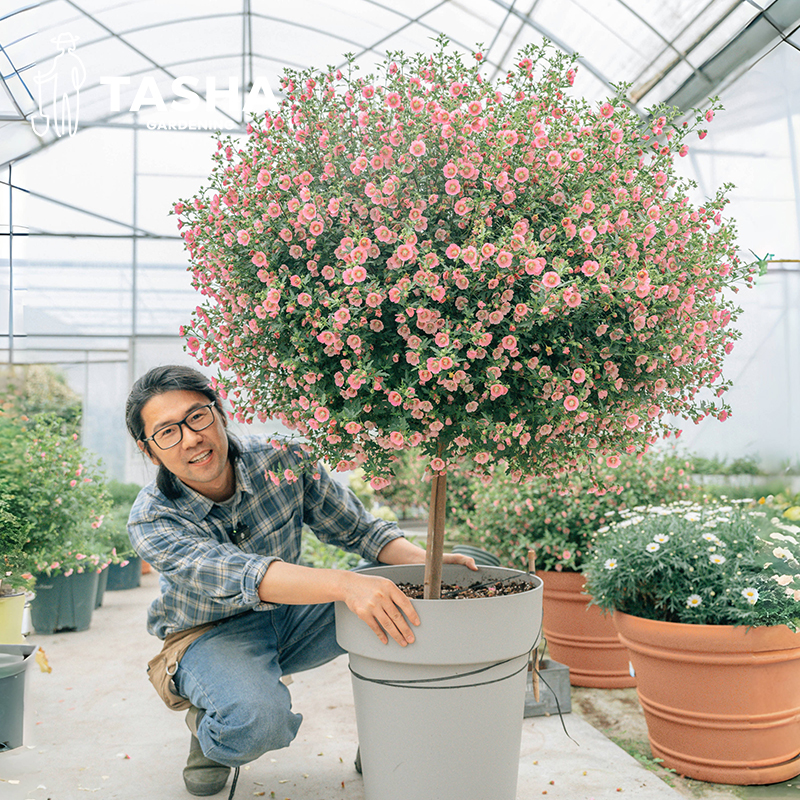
[559,520]
[701,564]
[55,490]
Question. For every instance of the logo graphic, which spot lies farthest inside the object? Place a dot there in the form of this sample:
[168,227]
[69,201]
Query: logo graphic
[59,90]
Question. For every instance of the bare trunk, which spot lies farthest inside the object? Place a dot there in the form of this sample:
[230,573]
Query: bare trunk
[435,547]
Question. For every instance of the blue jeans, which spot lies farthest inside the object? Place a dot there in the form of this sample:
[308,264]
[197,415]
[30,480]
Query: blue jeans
[233,673]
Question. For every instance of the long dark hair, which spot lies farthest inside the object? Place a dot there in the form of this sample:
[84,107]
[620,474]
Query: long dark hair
[170,378]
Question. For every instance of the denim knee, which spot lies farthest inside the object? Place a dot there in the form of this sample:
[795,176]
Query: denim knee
[247,733]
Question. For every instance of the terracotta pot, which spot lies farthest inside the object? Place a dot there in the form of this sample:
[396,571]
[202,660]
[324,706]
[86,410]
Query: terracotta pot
[722,703]
[581,636]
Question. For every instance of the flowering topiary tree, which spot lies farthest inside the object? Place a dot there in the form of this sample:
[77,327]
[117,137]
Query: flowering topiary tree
[498,271]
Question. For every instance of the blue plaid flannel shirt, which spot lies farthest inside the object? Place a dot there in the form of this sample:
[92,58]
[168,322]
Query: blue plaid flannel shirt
[204,576]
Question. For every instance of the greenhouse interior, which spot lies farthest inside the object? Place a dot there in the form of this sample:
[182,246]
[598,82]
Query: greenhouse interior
[109,115]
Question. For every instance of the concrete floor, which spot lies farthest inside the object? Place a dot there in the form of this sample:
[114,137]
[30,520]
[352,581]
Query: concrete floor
[95,728]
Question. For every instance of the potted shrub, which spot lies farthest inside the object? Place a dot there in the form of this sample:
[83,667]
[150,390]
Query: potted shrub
[489,271]
[707,601]
[558,521]
[59,497]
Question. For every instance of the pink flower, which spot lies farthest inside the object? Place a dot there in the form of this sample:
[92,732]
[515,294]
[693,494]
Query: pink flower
[504,259]
[497,390]
[453,251]
[632,422]
[437,465]
[378,483]
[590,268]
[342,316]
[521,174]
[571,402]
[452,187]
[395,398]
[613,462]
[396,438]
[304,298]
[243,237]
[578,375]
[573,299]
[551,279]
[321,414]
[417,148]
[554,158]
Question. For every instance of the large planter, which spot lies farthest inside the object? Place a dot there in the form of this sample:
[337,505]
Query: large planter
[12,607]
[722,703]
[442,718]
[581,636]
[64,603]
[127,577]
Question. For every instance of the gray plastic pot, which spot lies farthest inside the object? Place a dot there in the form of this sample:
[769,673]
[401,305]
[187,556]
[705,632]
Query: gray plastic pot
[14,661]
[441,719]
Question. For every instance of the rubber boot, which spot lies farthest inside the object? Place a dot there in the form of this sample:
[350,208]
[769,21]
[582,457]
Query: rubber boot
[201,775]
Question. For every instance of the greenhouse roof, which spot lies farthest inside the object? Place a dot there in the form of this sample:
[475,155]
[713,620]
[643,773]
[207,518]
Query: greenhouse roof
[125,54]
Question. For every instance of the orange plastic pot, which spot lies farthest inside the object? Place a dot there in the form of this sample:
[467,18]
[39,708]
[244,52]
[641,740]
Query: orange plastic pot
[722,703]
[580,635]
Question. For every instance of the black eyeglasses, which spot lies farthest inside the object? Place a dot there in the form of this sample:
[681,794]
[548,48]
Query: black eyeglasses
[197,420]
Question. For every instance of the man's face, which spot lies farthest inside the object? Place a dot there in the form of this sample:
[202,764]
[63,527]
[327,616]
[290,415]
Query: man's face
[200,459]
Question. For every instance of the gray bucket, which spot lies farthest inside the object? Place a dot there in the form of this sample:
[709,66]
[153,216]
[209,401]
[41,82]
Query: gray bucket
[441,719]
[14,661]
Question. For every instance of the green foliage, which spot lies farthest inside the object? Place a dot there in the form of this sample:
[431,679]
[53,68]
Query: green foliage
[40,389]
[703,564]
[321,555]
[115,524]
[558,520]
[745,465]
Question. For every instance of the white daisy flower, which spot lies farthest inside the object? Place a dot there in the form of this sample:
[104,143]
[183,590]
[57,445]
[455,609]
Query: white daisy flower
[781,552]
[661,538]
[693,600]
[610,563]
[751,595]
[652,547]
[716,558]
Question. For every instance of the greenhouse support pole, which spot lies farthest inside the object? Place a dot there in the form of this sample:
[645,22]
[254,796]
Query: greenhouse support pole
[134,254]
[10,268]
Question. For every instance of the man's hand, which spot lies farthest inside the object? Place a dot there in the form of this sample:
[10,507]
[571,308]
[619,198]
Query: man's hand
[459,558]
[382,606]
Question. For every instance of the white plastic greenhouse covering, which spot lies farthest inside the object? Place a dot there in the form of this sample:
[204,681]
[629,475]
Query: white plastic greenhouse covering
[93,275]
